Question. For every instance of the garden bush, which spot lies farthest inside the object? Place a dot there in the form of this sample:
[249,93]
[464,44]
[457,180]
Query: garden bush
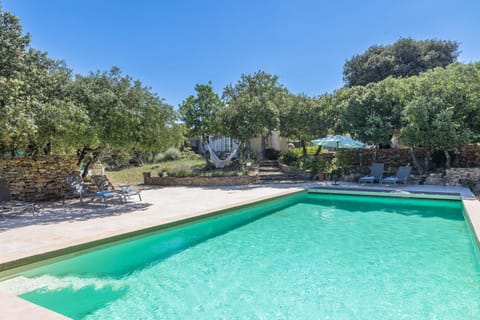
[189,154]
[271,154]
[315,165]
[171,154]
[292,158]
[182,171]
[116,160]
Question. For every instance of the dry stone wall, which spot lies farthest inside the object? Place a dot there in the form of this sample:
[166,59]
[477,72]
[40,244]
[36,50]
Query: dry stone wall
[199,181]
[465,157]
[466,177]
[39,178]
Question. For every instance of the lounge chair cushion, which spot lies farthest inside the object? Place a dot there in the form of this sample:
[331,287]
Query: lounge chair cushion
[367,179]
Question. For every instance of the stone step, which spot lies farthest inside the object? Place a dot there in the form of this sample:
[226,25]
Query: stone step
[270,173]
[278,176]
[268,169]
[268,163]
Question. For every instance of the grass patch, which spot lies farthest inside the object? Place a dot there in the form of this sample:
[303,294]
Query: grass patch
[134,175]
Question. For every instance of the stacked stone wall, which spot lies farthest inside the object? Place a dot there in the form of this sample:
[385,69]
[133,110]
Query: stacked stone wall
[199,181]
[465,157]
[466,177]
[37,178]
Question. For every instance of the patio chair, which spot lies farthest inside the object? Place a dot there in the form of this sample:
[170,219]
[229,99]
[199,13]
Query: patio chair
[78,188]
[376,173]
[402,175]
[8,205]
[103,184]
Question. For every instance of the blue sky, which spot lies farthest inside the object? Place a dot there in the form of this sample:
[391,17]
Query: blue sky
[173,45]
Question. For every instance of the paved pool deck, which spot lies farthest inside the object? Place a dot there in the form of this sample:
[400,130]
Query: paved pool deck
[57,228]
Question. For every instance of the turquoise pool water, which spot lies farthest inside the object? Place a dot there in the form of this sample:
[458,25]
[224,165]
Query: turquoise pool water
[301,257]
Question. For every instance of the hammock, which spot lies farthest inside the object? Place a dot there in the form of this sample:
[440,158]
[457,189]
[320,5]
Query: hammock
[219,164]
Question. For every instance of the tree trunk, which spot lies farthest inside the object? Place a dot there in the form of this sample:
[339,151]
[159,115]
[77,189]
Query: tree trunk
[428,156]
[415,161]
[319,149]
[206,151]
[245,149]
[448,161]
[152,159]
[263,146]
[95,155]
[304,149]
[48,149]
[83,153]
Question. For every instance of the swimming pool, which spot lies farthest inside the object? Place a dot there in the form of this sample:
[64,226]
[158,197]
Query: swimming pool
[299,257]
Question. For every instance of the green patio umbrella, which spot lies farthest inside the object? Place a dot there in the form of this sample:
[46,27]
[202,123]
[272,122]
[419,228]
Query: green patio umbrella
[339,142]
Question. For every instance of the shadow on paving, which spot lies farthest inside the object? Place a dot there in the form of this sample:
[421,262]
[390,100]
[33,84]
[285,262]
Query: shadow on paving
[55,212]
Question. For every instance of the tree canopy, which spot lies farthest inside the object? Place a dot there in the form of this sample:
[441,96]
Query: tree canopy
[45,109]
[123,114]
[200,112]
[253,106]
[404,58]
[37,111]
[304,118]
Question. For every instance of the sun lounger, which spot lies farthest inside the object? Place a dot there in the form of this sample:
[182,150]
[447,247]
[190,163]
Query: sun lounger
[103,184]
[78,188]
[8,205]
[376,173]
[402,175]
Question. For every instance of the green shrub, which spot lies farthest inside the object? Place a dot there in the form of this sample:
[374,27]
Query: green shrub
[171,154]
[312,150]
[159,157]
[344,160]
[292,158]
[189,154]
[315,165]
[116,158]
[181,172]
[271,154]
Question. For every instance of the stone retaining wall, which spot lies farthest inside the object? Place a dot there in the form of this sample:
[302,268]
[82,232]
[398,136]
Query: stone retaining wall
[465,157]
[199,181]
[39,178]
[301,174]
[466,177]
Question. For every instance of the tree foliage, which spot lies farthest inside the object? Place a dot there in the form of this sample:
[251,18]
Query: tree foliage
[123,114]
[304,118]
[37,111]
[404,58]
[253,106]
[200,112]
[430,123]
[371,113]
[45,110]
